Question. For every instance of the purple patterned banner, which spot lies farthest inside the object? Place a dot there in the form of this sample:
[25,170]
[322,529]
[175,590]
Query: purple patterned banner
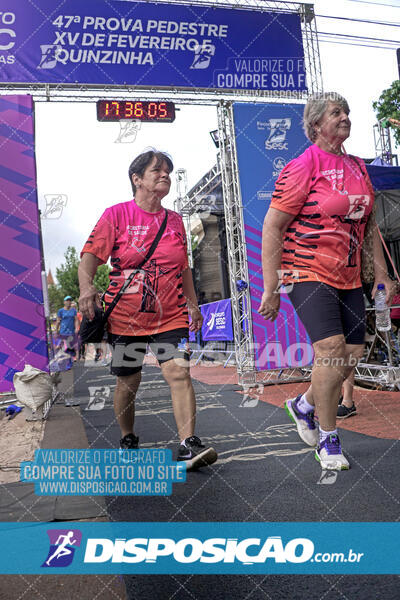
[267,137]
[217,324]
[284,342]
[192,335]
[22,324]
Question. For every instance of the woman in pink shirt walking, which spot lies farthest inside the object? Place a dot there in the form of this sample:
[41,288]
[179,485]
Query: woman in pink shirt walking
[156,306]
[313,231]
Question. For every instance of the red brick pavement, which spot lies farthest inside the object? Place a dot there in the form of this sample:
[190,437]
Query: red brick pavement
[378,413]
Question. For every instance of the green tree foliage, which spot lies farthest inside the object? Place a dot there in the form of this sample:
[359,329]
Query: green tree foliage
[56,298]
[67,274]
[68,283]
[388,107]
[101,279]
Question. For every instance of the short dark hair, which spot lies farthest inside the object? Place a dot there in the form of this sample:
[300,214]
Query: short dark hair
[141,162]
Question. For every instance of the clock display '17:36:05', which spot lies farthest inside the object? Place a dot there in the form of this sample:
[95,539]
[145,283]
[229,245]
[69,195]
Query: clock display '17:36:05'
[113,110]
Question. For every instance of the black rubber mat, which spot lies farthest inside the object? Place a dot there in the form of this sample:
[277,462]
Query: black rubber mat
[264,473]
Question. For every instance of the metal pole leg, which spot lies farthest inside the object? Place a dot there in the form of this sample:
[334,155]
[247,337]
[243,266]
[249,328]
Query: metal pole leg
[389,347]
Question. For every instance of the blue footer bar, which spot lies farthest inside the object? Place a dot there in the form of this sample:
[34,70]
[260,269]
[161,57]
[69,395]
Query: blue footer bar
[200,548]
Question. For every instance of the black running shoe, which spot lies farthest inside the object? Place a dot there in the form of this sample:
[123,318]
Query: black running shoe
[344,411]
[195,454]
[129,442]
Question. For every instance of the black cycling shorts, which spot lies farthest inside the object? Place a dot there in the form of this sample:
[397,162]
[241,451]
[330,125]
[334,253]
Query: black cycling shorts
[128,351]
[326,311]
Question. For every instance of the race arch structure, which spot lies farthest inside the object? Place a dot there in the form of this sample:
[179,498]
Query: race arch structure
[122,50]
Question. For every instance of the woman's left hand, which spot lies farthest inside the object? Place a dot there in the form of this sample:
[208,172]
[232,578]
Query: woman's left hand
[197,319]
[390,288]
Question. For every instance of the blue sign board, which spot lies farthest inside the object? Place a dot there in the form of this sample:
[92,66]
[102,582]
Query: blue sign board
[268,136]
[217,324]
[145,44]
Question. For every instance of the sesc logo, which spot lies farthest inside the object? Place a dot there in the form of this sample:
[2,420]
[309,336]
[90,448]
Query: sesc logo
[278,129]
[191,550]
[217,320]
[63,543]
[278,165]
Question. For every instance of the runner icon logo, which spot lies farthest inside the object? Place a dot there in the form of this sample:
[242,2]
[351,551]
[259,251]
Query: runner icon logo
[98,396]
[202,56]
[128,131]
[63,543]
[327,477]
[251,394]
[55,204]
[211,321]
[278,129]
[49,56]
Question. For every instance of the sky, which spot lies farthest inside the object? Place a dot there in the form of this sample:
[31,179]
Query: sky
[81,161]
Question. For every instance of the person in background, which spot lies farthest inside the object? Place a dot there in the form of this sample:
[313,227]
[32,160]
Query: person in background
[395,312]
[67,325]
[101,348]
[313,232]
[216,296]
[81,347]
[346,407]
[77,343]
[202,298]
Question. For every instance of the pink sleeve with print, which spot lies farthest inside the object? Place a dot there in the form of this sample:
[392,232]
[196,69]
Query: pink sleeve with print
[101,241]
[292,186]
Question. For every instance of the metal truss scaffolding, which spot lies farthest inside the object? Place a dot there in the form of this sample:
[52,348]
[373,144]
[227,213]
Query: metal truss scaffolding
[227,167]
[311,49]
[69,92]
[237,255]
[198,198]
[383,144]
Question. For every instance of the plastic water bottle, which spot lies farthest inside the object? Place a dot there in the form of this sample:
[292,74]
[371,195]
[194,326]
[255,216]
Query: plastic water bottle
[382,311]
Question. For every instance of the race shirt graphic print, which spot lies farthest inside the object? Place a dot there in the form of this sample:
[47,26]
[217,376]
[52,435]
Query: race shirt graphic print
[330,198]
[154,301]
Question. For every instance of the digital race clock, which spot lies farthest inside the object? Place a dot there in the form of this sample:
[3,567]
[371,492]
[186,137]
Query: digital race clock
[112,110]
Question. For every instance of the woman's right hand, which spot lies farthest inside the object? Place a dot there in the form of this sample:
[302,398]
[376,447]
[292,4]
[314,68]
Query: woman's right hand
[269,306]
[87,300]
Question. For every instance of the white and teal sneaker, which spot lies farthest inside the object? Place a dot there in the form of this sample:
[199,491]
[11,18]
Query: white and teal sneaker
[305,423]
[329,454]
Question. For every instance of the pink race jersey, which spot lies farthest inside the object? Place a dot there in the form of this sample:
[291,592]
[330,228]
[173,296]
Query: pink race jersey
[154,302]
[330,197]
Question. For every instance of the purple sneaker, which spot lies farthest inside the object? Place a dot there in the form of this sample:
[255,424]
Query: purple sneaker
[305,423]
[329,454]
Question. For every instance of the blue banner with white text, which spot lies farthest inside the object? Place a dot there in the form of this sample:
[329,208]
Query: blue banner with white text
[268,136]
[200,548]
[217,324]
[145,44]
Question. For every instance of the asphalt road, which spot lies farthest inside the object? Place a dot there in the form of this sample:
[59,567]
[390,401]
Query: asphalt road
[264,473]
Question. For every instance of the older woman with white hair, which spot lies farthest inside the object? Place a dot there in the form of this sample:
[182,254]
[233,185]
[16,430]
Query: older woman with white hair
[314,231]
